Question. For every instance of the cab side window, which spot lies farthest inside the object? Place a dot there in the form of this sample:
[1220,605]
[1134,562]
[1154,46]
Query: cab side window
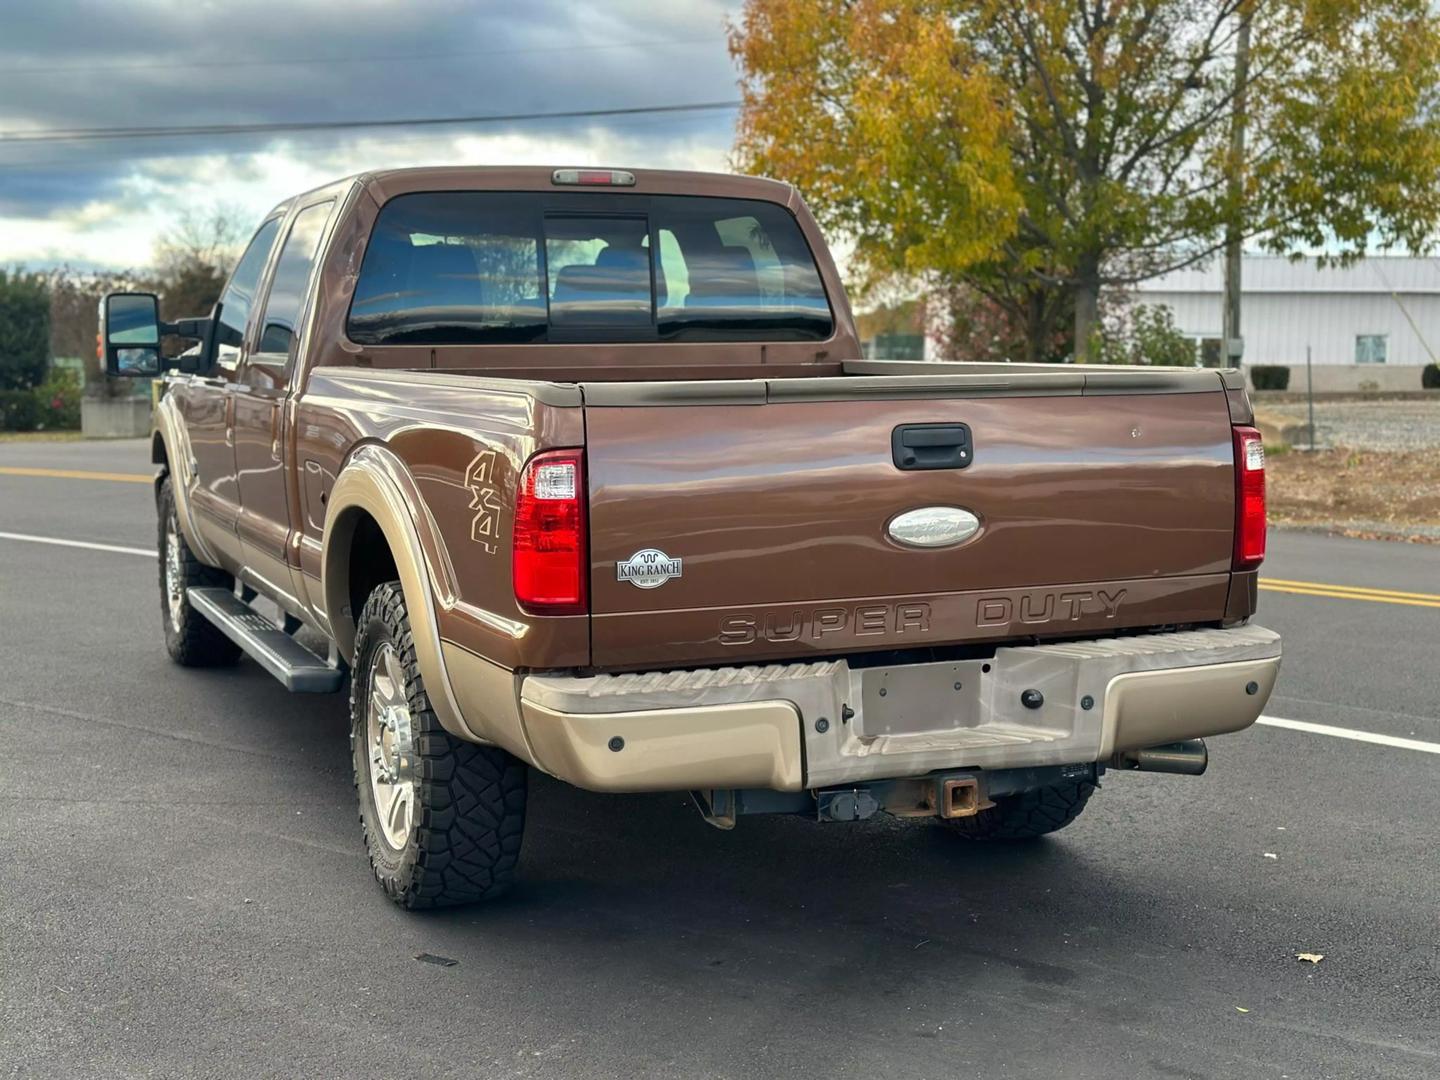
[239,294]
[288,288]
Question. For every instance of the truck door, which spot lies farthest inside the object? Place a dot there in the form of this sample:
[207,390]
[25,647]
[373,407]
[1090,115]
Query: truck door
[266,485]
[207,402]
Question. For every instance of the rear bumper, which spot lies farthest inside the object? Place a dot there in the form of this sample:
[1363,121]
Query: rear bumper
[789,727]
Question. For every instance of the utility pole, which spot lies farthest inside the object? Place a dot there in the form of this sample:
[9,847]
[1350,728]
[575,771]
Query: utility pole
[1233,343]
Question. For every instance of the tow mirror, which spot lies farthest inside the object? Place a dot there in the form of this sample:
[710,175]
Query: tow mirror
[130,335]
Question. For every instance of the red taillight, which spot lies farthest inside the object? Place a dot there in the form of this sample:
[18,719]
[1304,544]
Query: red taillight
[550,558]
[1249,499]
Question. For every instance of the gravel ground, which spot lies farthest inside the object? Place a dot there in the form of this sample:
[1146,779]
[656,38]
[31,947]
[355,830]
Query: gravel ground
[1373,425]
[1389,494]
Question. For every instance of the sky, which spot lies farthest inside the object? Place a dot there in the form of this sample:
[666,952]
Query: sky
[87,64]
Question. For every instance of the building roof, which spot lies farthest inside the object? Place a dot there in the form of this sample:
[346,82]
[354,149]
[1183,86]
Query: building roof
[1383,274]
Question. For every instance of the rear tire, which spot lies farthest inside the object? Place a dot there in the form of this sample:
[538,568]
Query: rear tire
[191,639]
[442,818]
[1028,814]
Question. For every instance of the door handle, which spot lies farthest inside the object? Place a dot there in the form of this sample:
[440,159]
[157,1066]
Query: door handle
[931,446]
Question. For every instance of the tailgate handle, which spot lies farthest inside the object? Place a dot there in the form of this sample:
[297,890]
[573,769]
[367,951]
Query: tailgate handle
[931,446]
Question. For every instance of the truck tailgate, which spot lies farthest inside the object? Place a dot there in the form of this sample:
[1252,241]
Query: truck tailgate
[1096,513]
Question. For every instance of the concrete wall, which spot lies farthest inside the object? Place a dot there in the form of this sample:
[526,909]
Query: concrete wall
[1349,378]
[114,418]
[1278,326]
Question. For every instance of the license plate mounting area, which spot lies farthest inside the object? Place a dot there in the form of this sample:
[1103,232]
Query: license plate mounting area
[918,698]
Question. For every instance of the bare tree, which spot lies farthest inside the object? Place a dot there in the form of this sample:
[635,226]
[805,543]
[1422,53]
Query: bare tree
[202,236]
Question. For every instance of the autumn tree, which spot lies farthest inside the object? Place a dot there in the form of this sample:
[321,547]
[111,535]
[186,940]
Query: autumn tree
[1040,152]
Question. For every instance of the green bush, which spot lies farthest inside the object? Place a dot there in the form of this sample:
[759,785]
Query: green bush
[24,330]
[1158,341]
[58,401]
[1270,376]
[19,410]
[1430,377]
[1146,334]
[54,405]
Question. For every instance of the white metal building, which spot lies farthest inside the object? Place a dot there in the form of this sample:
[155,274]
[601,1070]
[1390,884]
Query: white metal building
[1380,313]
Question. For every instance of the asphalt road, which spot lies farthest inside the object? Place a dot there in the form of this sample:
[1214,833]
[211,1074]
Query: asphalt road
[183,890]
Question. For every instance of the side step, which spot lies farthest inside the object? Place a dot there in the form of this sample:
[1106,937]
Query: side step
[272,648]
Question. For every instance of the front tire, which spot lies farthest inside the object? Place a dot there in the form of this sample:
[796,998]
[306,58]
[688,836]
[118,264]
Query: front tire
[191,639]
[1027,815]
[442,818]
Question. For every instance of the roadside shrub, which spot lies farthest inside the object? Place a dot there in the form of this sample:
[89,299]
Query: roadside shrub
[24,330]
[1158,341]
[19,410]
[54,405]
[1270,376]
[1430,377]
[57,400]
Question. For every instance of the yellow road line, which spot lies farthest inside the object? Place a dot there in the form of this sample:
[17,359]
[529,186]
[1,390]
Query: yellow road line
[1342,594]
[1361,590]
[77,474]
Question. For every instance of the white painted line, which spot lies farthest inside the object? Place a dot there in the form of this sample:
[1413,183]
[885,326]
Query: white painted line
[148,553]
[1351,733]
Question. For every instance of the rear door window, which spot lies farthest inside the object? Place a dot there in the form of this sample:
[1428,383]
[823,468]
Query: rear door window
[291,281]
[454,268]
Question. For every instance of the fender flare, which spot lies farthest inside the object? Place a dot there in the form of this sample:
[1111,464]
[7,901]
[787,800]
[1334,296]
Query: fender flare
[374,481]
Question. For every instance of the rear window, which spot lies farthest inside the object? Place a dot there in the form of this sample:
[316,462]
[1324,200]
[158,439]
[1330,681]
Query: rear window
[460,268]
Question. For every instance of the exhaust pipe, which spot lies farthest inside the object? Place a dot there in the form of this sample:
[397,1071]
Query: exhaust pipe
[1188,758]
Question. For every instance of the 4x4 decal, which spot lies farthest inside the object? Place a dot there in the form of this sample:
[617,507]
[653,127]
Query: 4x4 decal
[484,500]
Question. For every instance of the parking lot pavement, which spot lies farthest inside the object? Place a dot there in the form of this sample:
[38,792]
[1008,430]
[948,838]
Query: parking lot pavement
[183,891]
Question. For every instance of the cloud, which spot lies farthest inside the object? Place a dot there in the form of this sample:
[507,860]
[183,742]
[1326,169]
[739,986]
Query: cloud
[78,65]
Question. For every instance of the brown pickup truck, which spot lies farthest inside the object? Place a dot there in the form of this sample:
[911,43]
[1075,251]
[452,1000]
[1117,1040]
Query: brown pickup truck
[581,470]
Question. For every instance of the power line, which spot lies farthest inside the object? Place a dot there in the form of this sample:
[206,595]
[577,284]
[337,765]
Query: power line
[152,65]
[121,152]
[11,138]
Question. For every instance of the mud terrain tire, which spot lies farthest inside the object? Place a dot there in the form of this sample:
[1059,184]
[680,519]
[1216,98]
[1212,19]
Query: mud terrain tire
[458,841]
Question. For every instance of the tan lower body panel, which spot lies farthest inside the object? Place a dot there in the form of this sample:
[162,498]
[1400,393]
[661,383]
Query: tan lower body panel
[746,745]
[1148,708]
[485,693]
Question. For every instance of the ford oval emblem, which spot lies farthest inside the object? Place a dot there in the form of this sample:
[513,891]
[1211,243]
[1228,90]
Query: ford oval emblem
[933,527]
